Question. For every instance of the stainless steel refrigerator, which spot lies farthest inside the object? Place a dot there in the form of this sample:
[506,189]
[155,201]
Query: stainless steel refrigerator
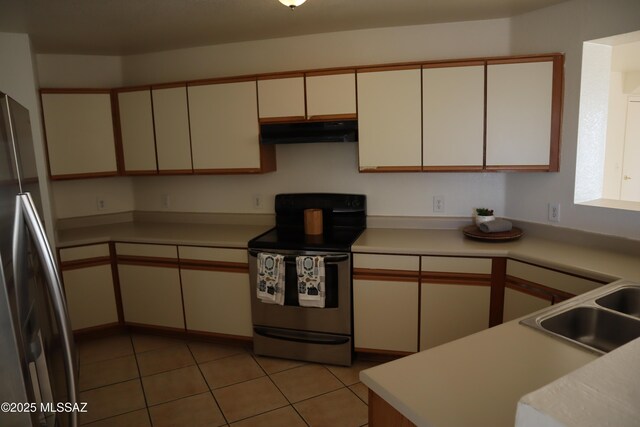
[38,368]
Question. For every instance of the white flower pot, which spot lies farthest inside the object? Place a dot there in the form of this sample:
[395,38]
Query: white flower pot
[480,219]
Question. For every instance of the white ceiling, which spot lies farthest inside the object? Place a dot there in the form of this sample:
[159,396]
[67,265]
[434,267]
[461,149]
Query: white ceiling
[120,27]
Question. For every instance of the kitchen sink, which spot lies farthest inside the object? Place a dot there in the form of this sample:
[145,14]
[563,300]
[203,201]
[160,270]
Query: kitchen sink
[594,327]
[601,320]
[625,300]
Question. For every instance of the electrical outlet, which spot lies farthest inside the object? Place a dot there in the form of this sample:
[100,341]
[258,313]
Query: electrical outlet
[101,203]
[554,212]
[257,201]
[164,201]
[438,204]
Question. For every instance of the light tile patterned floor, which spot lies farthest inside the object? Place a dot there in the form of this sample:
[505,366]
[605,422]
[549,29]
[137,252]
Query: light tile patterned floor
[147,380]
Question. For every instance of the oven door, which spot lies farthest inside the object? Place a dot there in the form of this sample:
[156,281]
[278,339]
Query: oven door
[335,318]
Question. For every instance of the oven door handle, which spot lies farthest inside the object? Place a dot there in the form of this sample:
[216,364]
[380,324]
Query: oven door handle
[292,258]
[300,337]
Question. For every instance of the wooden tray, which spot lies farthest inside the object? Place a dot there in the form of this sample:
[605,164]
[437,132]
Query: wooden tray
[473,232]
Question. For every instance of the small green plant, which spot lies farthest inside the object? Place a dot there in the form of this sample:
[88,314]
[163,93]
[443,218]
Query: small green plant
[484,212]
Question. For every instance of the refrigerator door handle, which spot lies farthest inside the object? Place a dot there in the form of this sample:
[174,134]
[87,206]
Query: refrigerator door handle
[45,254]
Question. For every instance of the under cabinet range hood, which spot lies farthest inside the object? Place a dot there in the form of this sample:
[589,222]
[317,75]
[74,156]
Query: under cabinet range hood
[304,132]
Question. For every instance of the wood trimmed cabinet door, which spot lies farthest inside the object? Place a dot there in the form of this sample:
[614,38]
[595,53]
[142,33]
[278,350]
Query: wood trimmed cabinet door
[524,112]
[385,303]
[331,96]
[223,119]
[215,285]
[281,99]
[150,285]
[135,114]
[389,120]
[88,285]
[455,298]
[79,125]
[171,123]
[453,117]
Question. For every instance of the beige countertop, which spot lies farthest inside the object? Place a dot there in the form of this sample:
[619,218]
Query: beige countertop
[477,380]
[589,261]
[223,235]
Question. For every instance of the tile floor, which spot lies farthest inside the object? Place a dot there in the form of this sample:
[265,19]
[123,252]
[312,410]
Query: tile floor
[146,380]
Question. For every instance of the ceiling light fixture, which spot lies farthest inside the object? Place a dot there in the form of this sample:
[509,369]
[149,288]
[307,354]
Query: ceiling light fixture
[292,3]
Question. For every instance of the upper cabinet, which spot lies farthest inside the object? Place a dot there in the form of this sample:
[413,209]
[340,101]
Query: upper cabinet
[524,103]
[322,95]
[453,116]
[171,121]
[281,99]
[136,131]
[331,95]
[79,125]
[224,128]
[390,119]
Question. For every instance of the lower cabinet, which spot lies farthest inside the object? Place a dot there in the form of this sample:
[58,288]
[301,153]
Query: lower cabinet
[88,285]
[216,290]
[217,301]
[519,302]
[454,299]
[150,285]
[385,303]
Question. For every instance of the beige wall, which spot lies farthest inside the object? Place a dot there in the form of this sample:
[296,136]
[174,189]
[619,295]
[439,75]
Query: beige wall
[563,28]
[616,125]
[316,167]
[18,80]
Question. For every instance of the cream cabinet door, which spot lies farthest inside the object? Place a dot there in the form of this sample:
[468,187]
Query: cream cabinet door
[449,312]
[519,104]
[281,98]
[453,117]
[224,126]
[171,121]
[79,126]
[518,304]
[90,296]
[389,120]
[136,129]
[151,295]
[217,301]
[333,94]
[385,315]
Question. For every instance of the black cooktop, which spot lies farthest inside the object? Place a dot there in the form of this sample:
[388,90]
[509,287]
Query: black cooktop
[343,216]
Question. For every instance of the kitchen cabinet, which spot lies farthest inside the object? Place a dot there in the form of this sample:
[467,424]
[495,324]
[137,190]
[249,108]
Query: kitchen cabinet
[78,125]
[524,103]
[171,124]
[331,95]
[389,119]
[135,115]
[216,291]
[150,285]
[281,98]
[530,288]
[454,299]
[88,285]
[224,127]
[385,303]
[453,116]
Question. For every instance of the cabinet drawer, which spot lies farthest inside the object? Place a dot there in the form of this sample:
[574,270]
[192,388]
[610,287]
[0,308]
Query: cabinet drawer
[199,253]
[143,250]
[386,262]
[456,265]
[84,252]
[552,279]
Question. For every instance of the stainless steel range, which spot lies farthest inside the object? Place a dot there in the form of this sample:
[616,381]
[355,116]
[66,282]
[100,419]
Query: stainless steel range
[309,333]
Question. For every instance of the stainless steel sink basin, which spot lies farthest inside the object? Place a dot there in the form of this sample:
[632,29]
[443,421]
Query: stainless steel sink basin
[624,300]
[601,320]
[594,327]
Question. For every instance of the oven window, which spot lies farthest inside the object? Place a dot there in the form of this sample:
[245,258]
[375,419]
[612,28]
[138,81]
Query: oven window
[331,285]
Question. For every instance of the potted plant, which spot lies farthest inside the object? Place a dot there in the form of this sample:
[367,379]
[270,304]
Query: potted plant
[484,215]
